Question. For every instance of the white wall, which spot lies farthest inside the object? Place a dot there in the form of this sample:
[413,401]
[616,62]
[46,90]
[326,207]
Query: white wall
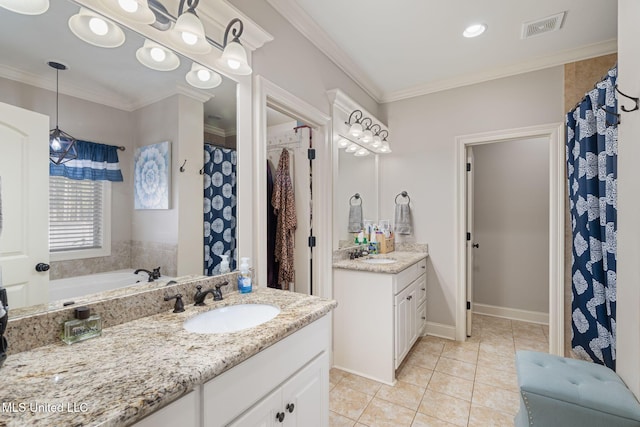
[511,224]
[156,123]
[91,122]
[190,186]
[295,64]
[423,131]
[628,274]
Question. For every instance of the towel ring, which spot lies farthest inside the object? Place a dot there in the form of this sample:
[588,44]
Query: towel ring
[357,197]
[403,194]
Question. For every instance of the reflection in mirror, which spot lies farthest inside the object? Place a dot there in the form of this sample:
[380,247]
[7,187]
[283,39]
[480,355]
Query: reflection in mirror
[114,96]
[355,175]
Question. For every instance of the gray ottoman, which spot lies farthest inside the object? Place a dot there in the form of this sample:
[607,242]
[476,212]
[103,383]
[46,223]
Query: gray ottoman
[557,391]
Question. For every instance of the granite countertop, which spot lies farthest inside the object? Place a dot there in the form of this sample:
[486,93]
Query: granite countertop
[137,367]
[403,260]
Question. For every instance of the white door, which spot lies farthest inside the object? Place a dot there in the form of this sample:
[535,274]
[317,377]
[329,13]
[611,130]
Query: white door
[470,237]
[304,396]
[24,188]
[302,188]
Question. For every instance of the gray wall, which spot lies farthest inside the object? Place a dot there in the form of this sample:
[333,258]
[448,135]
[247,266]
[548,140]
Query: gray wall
[423,161]
[511,218]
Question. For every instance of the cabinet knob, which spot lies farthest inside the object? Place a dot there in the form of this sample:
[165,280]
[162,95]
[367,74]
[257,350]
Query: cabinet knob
[290,407]
[424,318]
[424,289]
[280,417]
[409,297]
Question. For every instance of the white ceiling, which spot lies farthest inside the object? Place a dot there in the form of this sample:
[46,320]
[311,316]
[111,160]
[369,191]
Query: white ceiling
[403,48]
[111,77]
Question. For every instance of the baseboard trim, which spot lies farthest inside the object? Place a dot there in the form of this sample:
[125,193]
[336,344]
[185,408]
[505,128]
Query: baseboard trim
[440,330]
[511,313]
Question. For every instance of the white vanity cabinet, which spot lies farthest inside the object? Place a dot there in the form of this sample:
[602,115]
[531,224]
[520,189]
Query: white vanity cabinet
[286,384]
[378,319]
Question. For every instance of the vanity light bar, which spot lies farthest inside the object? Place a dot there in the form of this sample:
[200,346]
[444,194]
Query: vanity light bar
[365,135]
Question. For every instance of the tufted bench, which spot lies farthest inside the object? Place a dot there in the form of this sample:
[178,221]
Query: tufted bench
[556,391]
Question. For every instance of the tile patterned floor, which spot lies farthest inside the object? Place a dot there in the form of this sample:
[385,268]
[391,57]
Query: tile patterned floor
[443,383]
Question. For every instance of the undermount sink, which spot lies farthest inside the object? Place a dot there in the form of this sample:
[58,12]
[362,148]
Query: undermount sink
[379,261]
[231,319]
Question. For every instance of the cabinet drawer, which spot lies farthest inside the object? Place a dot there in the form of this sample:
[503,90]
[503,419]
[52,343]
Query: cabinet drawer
[408,275]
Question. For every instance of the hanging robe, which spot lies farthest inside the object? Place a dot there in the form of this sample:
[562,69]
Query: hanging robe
[283,202]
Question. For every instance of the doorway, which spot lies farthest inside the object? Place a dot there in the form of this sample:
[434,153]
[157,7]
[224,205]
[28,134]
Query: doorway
[293,139]
[268,95]
[553,134]
[508,226]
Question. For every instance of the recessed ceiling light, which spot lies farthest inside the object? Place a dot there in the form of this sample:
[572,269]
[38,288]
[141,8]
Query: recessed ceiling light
[474,30]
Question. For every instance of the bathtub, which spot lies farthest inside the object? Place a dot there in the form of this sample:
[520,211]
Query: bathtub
[74,287]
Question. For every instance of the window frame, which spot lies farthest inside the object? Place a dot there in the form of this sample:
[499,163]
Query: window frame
[105,250]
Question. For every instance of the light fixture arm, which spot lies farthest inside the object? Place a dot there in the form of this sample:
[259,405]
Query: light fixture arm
[235,32]
[191,4]
[358,117]
[378,131]
[386,134]
[366,126]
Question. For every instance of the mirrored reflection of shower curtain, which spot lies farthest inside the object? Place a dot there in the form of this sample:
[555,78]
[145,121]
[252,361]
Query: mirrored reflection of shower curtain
[592,152]
[219,208]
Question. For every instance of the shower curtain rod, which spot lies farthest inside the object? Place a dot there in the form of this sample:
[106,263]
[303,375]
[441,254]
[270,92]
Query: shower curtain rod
[594,87]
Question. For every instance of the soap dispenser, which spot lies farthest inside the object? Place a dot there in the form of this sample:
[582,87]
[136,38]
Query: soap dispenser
[224,264]
[245,277]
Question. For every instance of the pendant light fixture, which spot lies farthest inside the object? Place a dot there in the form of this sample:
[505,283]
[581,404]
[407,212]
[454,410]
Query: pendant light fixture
[26,7]
[62,146]
[234,57]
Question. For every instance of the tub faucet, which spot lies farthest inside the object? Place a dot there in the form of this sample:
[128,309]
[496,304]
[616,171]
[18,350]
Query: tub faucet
[153,275]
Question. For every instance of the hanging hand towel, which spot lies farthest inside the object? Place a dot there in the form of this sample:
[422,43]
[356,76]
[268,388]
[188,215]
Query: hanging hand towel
[355,218]
[403,219]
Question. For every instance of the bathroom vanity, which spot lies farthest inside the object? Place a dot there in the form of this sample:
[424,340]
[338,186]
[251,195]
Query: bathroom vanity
[381,312]
[152,367]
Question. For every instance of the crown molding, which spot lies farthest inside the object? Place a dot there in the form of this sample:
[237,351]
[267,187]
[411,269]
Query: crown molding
[216,130]
[560,58]
[302,22]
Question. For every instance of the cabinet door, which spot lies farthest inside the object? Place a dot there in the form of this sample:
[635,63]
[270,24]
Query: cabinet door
[402,323]
[263,413]
[305,397]
[412,323]
[421,317]
[421,284]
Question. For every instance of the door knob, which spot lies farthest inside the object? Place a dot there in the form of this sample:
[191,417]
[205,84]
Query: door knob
[41,267]
[476,245]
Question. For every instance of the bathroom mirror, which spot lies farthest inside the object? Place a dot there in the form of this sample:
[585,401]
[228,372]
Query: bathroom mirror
[354,175]
[108,96]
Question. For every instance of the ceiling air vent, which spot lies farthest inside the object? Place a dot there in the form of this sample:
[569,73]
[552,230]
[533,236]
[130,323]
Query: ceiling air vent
[544,25]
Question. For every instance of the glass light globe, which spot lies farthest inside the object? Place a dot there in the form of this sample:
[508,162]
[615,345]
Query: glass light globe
[355,130]
[189,38]
[367,136]
[130,6]
[343,143]
[352,148]
[204,75]
[158,54]
[98,26]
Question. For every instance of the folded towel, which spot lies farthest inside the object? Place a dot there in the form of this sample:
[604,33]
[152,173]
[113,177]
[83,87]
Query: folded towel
[403,219]
[355,218]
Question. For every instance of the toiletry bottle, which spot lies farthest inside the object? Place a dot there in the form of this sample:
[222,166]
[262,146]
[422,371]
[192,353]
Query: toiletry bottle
[83,327]
[244,278]
[224,264]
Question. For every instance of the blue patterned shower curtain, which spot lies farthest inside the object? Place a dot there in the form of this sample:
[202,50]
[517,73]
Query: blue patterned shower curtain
[592,152]
[219,208]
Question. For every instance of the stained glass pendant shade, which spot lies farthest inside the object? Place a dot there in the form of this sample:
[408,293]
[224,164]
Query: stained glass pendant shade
[62,146]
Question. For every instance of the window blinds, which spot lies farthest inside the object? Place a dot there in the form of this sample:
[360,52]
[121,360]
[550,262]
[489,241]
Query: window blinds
[75,214]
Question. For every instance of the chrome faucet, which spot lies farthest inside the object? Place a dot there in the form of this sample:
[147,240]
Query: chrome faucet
[153,275]
[199,297]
